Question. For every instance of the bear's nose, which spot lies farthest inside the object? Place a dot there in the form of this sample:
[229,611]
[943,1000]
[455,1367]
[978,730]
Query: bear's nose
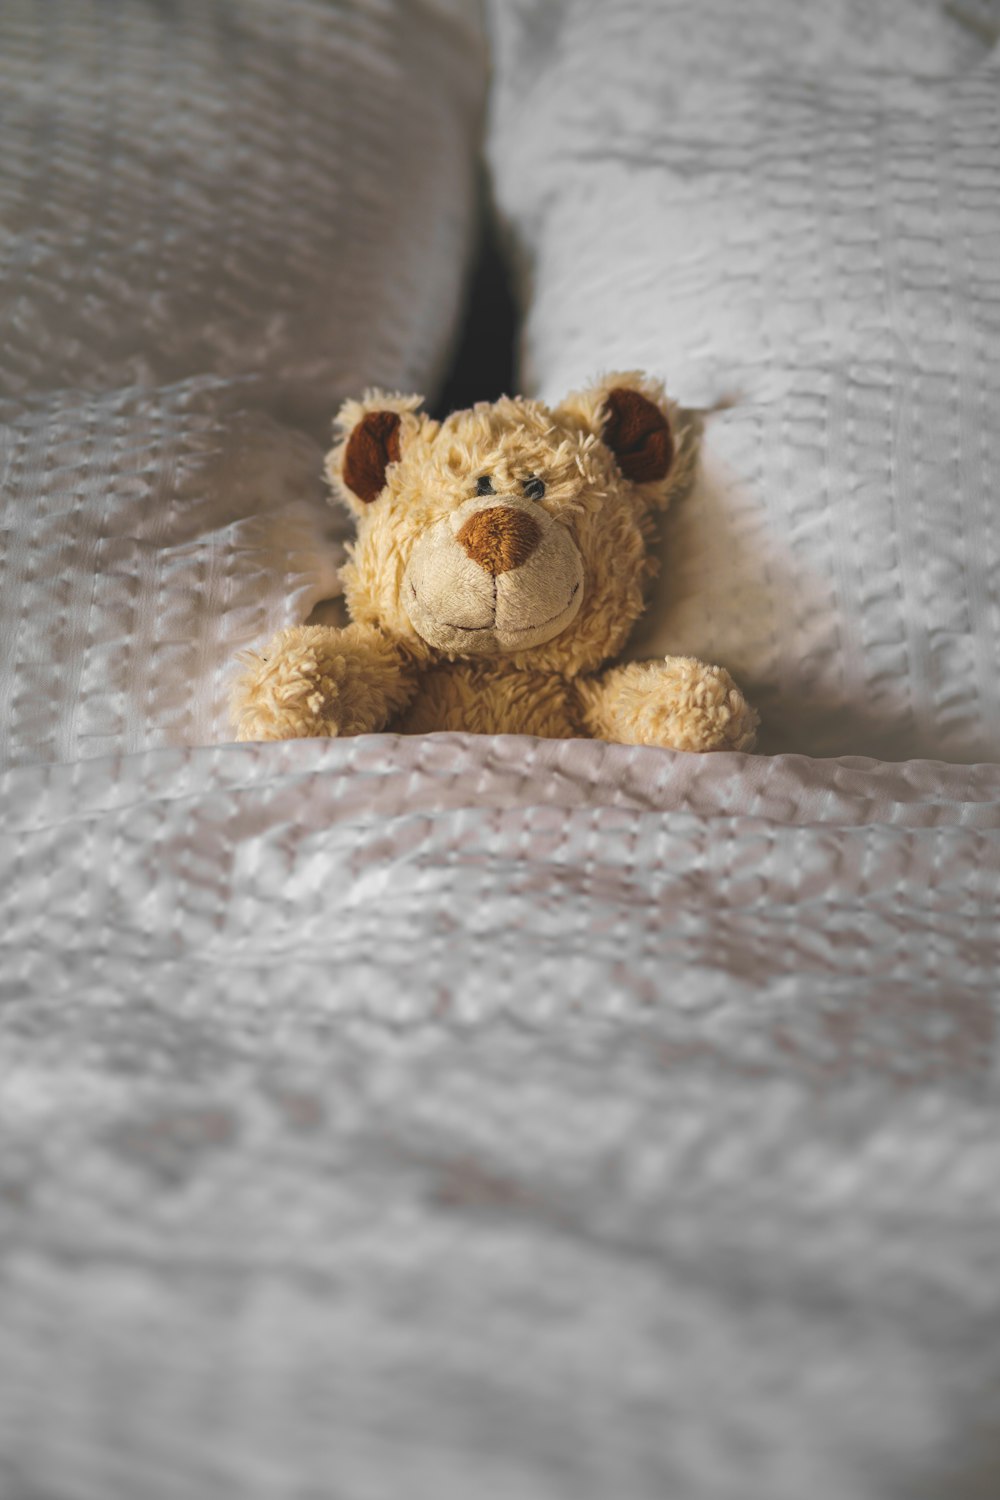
[500,539]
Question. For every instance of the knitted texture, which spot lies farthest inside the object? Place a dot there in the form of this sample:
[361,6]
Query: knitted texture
[540,1119]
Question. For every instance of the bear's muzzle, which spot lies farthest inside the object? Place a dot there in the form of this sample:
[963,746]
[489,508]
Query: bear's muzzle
[493,577]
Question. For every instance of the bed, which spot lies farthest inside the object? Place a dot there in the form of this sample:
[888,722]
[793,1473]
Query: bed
[456,1115]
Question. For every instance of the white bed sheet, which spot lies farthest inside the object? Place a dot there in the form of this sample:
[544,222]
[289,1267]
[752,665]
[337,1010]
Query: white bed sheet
[451,1116]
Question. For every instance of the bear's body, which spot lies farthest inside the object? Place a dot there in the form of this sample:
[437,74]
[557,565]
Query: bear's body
[501,560]
[486,699]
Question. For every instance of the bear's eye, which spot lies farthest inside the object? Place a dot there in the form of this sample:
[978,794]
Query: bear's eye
[534,487]
[484,485]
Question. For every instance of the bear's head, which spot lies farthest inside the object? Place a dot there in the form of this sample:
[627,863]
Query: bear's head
[509,530]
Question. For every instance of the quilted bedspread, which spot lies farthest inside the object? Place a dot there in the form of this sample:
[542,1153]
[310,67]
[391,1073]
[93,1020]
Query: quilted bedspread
[455,1116]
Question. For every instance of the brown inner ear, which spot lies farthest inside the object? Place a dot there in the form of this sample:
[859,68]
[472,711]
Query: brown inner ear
[638,434]
[371,448]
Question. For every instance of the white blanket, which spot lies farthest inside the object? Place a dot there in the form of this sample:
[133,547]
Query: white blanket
[455,1116]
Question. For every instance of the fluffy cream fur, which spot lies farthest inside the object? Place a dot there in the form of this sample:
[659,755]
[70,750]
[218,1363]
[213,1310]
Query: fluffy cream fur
[481,602]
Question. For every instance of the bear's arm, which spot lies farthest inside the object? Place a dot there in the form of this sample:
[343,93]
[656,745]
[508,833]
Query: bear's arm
[677,703]
[318,681]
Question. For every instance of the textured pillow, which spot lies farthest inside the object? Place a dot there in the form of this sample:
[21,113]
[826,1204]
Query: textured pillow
[792,214]
[217,220]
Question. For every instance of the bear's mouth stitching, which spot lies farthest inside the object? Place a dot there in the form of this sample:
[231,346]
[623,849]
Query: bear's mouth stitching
[518,630]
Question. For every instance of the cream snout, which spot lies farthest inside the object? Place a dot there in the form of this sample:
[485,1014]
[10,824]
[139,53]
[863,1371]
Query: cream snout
[496,575]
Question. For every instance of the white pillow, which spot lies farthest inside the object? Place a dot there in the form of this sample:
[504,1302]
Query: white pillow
[792,214]
[218,222]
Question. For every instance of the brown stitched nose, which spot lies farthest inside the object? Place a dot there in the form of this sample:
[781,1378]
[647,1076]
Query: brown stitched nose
[500,539]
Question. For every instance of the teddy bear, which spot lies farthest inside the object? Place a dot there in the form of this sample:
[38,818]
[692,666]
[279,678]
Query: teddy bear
[501,560]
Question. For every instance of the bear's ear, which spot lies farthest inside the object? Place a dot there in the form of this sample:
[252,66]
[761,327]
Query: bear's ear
[375,432]
[638,433]
[632,416]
